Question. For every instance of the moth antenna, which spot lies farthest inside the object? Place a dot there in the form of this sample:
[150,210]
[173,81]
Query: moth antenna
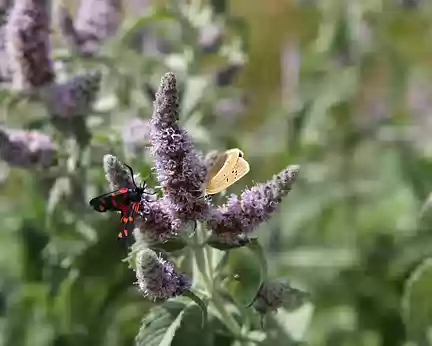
[132,174]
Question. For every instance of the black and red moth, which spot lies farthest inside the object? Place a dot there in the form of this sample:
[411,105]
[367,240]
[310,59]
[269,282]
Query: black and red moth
[125,200]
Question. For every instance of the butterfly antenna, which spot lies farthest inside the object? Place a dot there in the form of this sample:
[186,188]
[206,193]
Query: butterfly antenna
[132,174]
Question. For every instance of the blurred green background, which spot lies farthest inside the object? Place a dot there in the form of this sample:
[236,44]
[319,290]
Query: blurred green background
[340,87]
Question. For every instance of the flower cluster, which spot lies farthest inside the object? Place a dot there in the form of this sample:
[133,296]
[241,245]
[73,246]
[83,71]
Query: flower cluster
[182,173]
[26,148]
[157,278]
[156,222]
[28,45]
[179,166]
[97,20]
[242,215]
[74,97]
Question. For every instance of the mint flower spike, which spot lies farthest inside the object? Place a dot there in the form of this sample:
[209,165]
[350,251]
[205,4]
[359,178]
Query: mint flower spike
[180,168]
[157,278]
[96,21]
[156,221]
[28,45]
[117,174]
[278,293]
[74,97]
[26,149]
[243,215]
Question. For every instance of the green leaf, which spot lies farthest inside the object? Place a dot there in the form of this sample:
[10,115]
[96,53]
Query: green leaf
[170,245]
[160,324]
[416,303]
[219,244]
[247,267]
[258,251]
[200,304]
[191,332]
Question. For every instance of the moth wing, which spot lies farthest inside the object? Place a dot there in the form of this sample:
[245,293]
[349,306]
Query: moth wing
[108,201]
[127,221]
[240,169]
[220,176]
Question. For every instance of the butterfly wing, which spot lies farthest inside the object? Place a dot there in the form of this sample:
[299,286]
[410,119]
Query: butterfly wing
[217,178]
[127,221]
[110,201]
[240,169]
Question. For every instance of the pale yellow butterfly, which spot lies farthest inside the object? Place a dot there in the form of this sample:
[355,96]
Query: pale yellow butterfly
[228,169]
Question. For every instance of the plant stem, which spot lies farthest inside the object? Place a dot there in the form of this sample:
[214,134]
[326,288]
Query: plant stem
[204,266]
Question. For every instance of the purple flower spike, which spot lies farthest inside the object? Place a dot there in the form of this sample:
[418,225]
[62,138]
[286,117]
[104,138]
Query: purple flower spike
[97,20]
[156,222]
[180,169]
[242,215]
[116,173]
[28,45]
[26,148]
[74,97]
[157,278]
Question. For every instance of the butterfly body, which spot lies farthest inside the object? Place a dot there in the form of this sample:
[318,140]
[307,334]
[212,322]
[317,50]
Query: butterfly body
[125,200]
[228,169]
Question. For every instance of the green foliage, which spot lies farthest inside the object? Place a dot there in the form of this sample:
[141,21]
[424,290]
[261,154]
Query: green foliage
[355,231]
[417,306]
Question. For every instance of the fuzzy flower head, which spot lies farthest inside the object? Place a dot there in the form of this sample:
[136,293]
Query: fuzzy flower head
[156,222]
[180,169]
[97,21]
[243,215]
[26,148]
[157,278]
[73,97]
[5,71]
[277,293]
[28,45]
[116,173]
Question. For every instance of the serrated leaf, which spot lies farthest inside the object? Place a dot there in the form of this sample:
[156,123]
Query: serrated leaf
[246,268]
[159,325]
[416,304]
